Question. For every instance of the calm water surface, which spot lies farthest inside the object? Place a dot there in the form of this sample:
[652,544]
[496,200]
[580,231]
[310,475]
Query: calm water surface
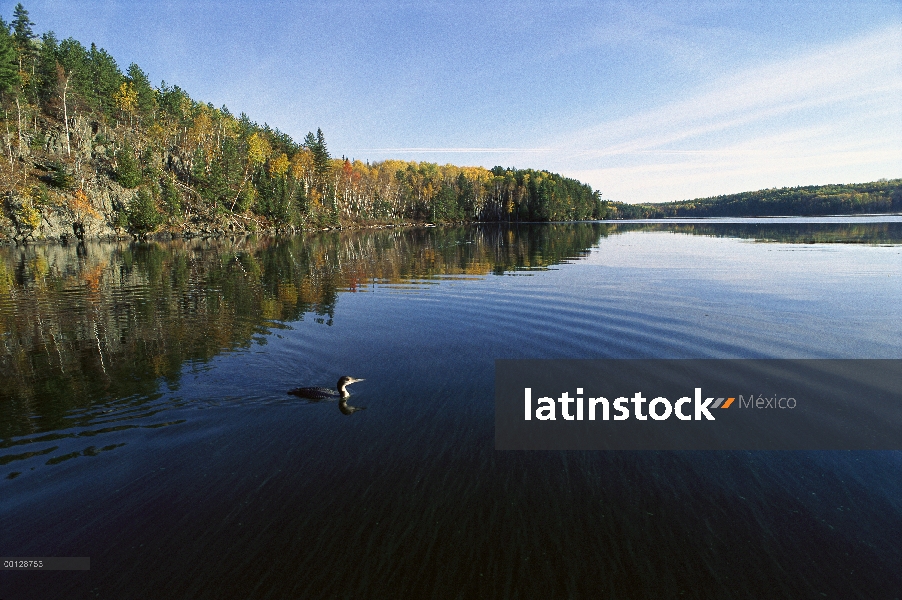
[144,421]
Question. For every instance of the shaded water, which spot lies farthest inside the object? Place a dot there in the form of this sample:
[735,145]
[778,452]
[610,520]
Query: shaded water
[144,420]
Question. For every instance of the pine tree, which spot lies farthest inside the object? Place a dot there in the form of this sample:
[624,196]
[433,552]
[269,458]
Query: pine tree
[147,96]
[9,70]
[105,79]
[23,34]
[46,76]
[22,27]
[72,56]
[321,158]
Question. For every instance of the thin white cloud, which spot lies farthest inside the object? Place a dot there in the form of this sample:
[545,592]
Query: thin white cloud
[680,32]
[832,114]
[847,71]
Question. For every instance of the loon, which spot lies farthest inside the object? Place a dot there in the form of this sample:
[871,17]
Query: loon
[320,393]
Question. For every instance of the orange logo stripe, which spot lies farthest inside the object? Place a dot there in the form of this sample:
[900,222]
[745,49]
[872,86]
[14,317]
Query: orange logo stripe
[728,403]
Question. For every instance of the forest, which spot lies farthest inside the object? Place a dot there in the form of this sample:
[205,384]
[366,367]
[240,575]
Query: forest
[92,151]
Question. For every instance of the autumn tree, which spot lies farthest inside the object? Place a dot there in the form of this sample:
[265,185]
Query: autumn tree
[26,217]
[126,100]
[201,134]
[258,150]
[80,210]
[278,167]
[302,167]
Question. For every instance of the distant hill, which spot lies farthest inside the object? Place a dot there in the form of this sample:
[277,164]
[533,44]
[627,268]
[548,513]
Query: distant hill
[883,196]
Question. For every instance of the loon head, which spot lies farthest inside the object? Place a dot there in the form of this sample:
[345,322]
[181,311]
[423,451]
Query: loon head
[344,381]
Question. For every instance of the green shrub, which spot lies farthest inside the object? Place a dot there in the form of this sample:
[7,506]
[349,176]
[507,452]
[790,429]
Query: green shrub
[40,196]
[60,176]
[172,200]
[246,198]
[128,174]
[38,141]
[143,216]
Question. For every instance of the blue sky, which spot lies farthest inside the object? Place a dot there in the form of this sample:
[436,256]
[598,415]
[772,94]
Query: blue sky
[644,101]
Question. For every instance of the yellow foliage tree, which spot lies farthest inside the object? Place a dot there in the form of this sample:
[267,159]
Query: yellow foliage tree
[258,149]
[185,106]
[27,217]
[201,134]
[315,197]
[279,166]
[302,164]
[157,134]
[229,127]
[126,99]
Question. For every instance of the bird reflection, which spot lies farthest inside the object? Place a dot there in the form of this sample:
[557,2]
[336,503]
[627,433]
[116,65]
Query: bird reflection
[347,409]
[340,392]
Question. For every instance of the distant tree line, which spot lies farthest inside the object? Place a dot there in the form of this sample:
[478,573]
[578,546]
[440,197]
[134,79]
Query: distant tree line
[187,160]
[883,196]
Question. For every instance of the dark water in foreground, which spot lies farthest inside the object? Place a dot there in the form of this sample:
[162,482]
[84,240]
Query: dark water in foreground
[144,421]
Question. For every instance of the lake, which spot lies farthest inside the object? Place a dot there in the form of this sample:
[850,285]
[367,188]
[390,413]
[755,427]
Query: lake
[144,420]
